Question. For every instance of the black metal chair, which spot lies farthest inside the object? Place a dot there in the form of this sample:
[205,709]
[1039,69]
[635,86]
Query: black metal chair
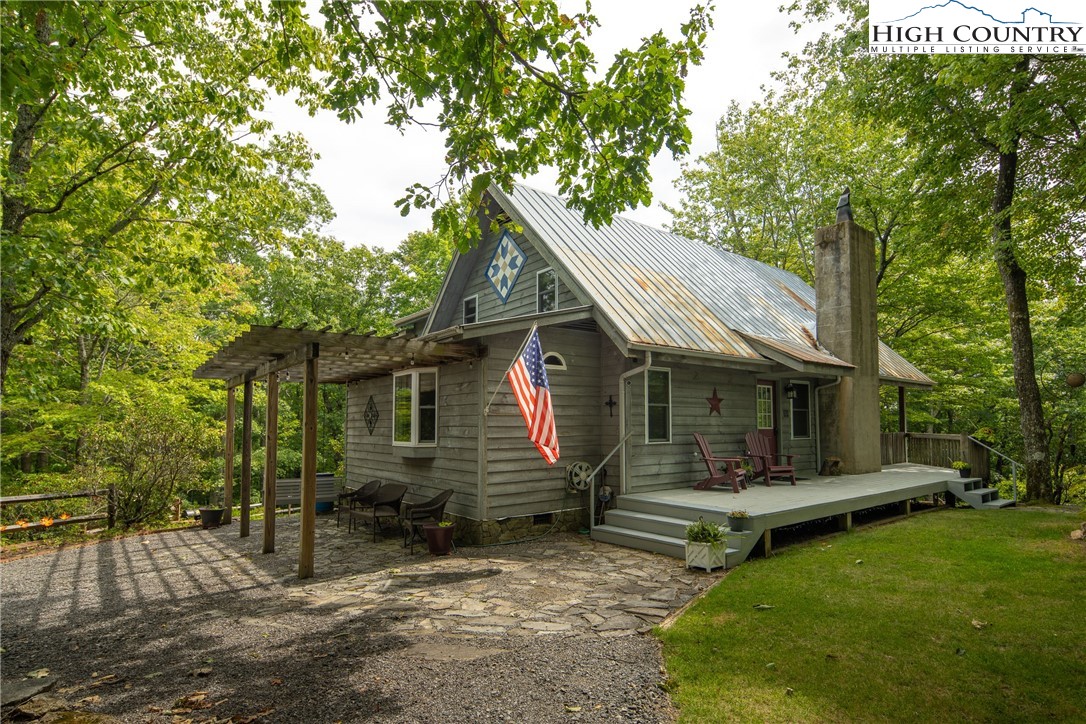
[385,505]
[359,497]
[414,515]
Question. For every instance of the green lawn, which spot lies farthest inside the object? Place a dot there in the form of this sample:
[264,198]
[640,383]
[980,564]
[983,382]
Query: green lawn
[955,615]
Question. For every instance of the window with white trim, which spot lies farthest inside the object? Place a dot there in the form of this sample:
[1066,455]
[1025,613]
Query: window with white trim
[546,291]
[764,407]
[801,411]
[658,405]
[554,361]
[471,309]
[414,409]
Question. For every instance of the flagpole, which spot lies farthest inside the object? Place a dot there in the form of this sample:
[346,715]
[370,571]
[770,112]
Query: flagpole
[486,410]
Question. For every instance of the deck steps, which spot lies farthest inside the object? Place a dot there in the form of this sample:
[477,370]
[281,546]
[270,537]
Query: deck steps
[973,492]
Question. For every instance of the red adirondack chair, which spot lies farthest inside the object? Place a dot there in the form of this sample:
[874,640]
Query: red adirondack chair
[731,475]
[760,452]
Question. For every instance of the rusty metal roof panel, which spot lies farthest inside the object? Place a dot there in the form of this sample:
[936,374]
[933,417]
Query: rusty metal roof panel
[659,288]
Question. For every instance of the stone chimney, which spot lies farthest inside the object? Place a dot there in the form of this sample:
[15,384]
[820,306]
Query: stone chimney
[845,309]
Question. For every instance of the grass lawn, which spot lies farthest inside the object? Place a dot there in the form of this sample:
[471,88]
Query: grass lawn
[954,615]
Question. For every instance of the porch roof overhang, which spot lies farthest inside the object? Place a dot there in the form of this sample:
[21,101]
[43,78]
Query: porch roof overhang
[344,357]
[806,360]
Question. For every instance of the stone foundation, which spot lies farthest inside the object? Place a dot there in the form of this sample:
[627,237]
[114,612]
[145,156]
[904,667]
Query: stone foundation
[509,530]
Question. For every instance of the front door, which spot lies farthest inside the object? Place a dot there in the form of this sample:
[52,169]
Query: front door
[766,410]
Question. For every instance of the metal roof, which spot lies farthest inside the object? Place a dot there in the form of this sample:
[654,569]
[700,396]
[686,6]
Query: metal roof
[658,288]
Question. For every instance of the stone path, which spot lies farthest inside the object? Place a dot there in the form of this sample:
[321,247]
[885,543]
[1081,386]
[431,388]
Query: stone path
[562,583]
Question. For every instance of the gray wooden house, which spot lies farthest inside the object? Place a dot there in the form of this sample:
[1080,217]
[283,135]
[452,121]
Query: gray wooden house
[648,337]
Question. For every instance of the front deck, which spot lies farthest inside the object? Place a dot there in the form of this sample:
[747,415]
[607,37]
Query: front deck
[656,521]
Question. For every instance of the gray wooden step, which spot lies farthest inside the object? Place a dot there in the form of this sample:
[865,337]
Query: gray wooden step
[999,503]
[648,522]
[690,512]
[667,545]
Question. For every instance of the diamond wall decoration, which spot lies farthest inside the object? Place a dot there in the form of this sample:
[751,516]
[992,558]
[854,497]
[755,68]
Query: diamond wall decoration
[505,266]
[371,415]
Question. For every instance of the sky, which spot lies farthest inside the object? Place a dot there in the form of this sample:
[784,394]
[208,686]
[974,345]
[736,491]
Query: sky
[365,166]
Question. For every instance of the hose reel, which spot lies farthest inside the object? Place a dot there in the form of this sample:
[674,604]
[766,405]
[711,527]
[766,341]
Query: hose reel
[578,475]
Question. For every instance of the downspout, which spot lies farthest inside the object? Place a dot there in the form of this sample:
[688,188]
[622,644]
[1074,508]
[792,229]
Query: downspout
[818,423]
[623,472]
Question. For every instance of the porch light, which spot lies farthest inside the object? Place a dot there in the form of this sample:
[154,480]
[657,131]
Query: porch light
[790,392]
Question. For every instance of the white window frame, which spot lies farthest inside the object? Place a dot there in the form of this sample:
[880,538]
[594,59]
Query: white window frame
[648,373]
[464,308]
[414,374]
[792,411]
[772,402]
[561,364]
[538,296]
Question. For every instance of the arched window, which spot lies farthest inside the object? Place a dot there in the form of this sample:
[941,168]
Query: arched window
[554,361]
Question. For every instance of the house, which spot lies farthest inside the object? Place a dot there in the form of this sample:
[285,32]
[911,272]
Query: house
[648,337]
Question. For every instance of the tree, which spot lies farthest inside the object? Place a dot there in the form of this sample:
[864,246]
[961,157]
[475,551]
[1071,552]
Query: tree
[514,87]
[1002,137]
[133,154]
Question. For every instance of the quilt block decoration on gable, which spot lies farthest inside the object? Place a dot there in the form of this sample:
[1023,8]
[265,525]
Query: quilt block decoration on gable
[505,266]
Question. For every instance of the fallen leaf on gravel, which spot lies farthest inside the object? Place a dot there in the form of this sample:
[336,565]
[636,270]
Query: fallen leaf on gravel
[573,708]
[252,718]
[153,674]
[195,700]
[276,682]
[762,607]
[205,671]
[38,674]
[107,680]
[980,624]
[90,699]
[320,656]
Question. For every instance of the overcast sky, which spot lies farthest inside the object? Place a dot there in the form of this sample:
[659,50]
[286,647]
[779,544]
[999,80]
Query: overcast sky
[365,166]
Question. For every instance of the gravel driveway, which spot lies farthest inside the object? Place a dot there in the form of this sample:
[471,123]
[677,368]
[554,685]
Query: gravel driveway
[201,626]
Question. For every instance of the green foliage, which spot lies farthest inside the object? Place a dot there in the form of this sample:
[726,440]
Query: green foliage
[960,465]
[705,531]
[514,87]
[1001,587]
[152,450]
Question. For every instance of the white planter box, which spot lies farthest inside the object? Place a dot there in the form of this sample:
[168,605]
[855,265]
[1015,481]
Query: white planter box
[705,555]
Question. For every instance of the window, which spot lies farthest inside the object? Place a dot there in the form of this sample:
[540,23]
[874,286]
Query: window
[554,361]
[801,411]
[764,408]
[546,291]
[415,408]
[471,310]
[658,405]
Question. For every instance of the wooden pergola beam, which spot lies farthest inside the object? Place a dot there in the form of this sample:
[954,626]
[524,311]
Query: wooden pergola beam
[271,453]
[279,364]
[228,458]
[246,457]
[307,542]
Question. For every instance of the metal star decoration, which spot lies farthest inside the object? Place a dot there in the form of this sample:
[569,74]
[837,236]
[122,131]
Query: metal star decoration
[714,403]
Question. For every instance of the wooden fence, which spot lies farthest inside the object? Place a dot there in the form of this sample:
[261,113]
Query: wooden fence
[933,449]
[110,494]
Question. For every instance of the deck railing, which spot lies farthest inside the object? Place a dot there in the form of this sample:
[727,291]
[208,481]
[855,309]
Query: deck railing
[110,516]
[938,450]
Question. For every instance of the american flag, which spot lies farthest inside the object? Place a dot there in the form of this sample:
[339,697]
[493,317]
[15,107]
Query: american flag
[528,379]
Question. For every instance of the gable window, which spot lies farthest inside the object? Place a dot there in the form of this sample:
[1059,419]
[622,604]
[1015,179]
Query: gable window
[546,291]
[471,309]
[764,407]
[658,405]
[801,410]
[414,418]
[554,361]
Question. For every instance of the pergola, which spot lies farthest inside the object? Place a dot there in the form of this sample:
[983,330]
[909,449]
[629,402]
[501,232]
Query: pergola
[266,353]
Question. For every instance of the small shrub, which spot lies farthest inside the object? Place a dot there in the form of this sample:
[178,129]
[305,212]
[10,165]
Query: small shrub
[960,465]
[705,531]
[739,514]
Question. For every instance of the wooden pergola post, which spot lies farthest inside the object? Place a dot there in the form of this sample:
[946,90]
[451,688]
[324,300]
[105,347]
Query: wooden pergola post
[271,452]
[228,459]
[246,456]
[307,541]
[901,425]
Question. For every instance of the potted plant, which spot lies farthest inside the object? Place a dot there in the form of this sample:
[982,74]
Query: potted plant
[705,545]
[439,537]
[964,469]
[737,520]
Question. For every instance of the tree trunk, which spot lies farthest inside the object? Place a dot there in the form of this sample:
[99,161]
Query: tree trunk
[1031,414]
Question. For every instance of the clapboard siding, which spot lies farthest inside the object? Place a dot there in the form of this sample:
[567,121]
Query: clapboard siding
[455,464]
[522,300]
[519,481]
[658,466]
